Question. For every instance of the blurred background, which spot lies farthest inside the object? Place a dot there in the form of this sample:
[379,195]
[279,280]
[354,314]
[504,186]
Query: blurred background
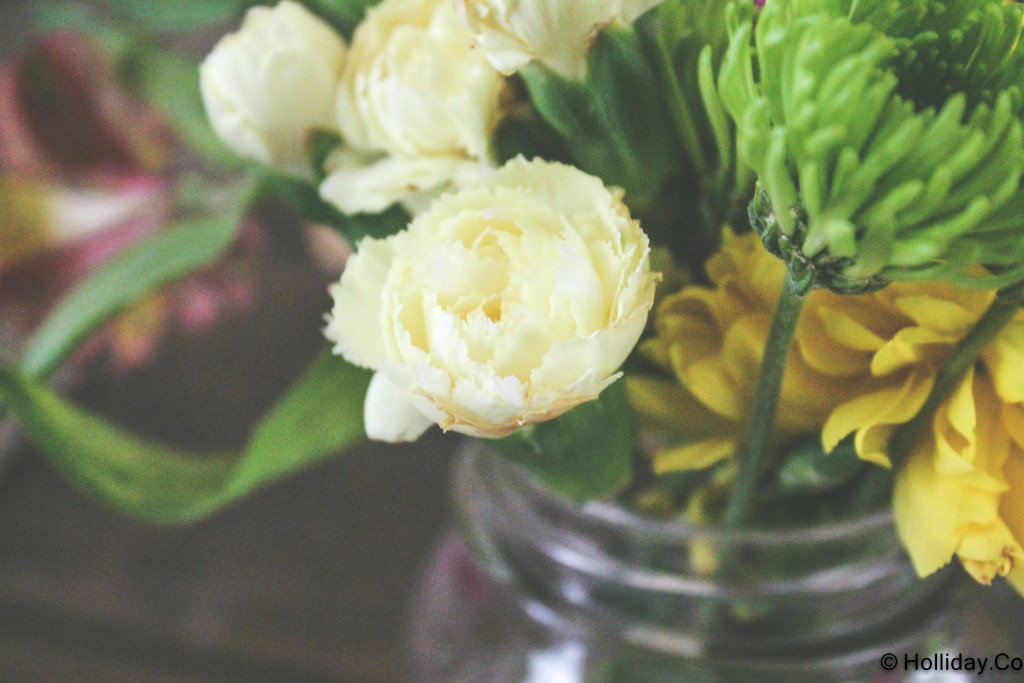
[310,578]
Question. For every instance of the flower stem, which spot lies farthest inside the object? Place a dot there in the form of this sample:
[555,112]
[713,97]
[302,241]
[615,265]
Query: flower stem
[766,401]
[1007,303]
[755,449]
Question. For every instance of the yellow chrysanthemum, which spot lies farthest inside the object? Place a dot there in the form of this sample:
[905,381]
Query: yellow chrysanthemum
[712,341]
[861,365]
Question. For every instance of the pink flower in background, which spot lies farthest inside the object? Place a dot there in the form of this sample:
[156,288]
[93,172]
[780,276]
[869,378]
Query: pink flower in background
[85,172]
[63,114]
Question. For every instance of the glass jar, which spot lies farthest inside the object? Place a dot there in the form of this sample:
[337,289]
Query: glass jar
[531,588]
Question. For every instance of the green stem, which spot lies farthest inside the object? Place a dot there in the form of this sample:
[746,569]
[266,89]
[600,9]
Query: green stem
[1007,303]
[755,450]
[766,401]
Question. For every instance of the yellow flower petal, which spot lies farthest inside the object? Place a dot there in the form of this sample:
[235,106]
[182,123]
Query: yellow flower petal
[893,403]
[943,315]
[1004,358]
[694,456]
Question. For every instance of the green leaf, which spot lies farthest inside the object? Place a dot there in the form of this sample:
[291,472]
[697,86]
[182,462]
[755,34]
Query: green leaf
[135,477]
[177,16]
[170,83]
[304,198]
[158,259]
[320,415]
[586,453]
[344,15]
[615,122]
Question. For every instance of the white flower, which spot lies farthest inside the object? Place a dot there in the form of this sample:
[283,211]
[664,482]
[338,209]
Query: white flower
[557,33]
[268,85]
[417,104]
[500,306]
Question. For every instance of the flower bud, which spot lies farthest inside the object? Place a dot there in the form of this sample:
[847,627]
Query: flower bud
[268,86]
[417,105]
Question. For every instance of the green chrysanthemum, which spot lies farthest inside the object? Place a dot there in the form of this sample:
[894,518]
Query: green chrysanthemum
[886,137]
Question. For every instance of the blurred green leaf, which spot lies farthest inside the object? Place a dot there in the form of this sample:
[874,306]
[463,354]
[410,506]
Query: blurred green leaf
[614,122]
[586,453]
[304,198]
[320,415]
[147,480]
[170,83]
[156,260]
[177,16]
[344,15]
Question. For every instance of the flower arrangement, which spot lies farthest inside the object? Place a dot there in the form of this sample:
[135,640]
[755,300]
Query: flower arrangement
[721,260]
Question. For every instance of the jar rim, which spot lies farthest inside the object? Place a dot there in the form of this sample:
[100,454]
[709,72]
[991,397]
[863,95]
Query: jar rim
[621,518]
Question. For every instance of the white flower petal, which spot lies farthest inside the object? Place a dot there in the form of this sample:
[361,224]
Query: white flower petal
[556,33]
[354,323]
[388,413]
[356,185]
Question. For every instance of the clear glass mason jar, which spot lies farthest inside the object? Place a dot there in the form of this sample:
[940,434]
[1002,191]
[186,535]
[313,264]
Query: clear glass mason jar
[530,588]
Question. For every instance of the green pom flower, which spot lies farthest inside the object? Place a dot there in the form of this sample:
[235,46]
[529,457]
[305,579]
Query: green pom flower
[886,137]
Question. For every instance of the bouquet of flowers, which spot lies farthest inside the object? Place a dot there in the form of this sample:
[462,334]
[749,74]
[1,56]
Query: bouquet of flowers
[721,260]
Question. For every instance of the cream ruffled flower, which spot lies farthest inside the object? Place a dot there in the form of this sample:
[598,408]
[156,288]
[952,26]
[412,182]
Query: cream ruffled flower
[557,33]
[269,85]
[862,365]
[416,106]
[500,306]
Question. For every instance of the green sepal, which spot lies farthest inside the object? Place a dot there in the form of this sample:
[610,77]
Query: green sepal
[320,145]
[529,137]
[320,415]
[586,453]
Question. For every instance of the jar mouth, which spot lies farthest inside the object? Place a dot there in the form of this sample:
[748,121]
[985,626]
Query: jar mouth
[621,518]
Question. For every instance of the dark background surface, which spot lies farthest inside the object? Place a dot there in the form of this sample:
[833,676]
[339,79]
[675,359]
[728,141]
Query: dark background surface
[309,579]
